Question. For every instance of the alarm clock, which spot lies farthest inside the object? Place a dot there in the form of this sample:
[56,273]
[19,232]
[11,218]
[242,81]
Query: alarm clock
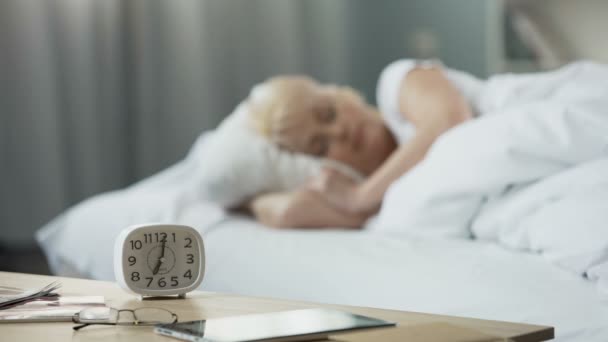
[159,259]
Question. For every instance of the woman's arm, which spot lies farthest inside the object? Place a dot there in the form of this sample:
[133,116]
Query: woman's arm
[368,195]
[433,105]
[301,208]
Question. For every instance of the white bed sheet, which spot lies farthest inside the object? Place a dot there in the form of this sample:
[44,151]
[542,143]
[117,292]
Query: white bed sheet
[442,276]
[452,277]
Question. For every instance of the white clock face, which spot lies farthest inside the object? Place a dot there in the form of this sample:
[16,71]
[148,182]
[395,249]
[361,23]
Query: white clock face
[161,258]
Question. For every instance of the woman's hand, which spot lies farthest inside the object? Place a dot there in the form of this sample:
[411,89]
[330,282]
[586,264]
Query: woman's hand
[339,190]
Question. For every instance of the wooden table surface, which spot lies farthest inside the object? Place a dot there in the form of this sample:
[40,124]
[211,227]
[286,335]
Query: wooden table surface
[412,326]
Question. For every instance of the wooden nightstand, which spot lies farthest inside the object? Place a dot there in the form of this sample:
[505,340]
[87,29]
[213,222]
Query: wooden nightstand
[412,326]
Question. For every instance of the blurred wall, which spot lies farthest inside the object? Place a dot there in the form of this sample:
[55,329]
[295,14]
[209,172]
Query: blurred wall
[98,94]
[566,30]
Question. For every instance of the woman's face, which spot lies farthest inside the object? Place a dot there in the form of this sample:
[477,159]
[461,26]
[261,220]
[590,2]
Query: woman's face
[332,122]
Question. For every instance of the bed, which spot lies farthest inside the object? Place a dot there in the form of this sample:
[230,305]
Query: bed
[436,275]
[453,277]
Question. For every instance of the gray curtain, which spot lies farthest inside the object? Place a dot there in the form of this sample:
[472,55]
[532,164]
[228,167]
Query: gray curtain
[96,94]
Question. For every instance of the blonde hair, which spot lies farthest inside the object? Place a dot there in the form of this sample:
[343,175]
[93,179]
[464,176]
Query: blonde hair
[269,101]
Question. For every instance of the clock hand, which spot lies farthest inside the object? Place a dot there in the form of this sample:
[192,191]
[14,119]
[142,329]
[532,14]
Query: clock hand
[161,259]
[157,267]
[162,254]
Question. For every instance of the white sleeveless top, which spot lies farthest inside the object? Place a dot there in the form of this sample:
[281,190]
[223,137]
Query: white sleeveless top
[387,93]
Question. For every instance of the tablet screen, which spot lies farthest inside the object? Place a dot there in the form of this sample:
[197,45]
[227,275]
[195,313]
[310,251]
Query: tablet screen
[286,325]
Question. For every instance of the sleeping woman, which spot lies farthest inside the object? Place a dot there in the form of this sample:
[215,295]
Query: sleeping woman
[417,103]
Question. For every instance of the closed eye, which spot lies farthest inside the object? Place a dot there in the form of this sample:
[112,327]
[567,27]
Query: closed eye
[328,114]
[319,145]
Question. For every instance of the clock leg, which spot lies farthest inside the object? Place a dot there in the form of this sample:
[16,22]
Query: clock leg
[181,296]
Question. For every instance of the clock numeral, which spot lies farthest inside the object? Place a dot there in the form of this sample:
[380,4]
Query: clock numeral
[157,237]
[188,274]
[190,259]
[173,236]
[136,244]
[132,260]
[162,282]
[135,276]
[189,244]
[174,281]
[149,279]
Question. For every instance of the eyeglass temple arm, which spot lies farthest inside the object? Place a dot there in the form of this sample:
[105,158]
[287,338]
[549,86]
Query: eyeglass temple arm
[78,327]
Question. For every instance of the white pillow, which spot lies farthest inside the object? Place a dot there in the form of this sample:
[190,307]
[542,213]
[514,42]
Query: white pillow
[239,163]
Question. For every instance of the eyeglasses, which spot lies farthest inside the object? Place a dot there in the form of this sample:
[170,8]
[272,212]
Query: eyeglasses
[111,316]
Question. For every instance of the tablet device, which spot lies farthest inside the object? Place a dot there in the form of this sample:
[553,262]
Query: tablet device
[294,325]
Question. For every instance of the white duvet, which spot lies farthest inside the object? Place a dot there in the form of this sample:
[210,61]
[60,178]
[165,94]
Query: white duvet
[531,174]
